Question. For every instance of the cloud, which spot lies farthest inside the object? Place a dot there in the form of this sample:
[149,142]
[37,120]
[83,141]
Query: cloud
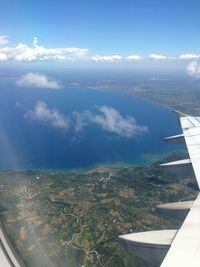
[48,116]
[110,120]
[3,57]
[38,80]
[134,58]
[107,118]
[193,69]
[35,41]
[113,58]
[82,119]
[3,40]
[23,52]
[158,57]
[189,56]
[116,58]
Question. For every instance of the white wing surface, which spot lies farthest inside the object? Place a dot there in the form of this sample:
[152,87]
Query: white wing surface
[185,248]
[191,132]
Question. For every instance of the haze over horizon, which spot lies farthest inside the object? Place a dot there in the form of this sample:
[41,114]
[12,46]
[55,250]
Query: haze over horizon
[108,34]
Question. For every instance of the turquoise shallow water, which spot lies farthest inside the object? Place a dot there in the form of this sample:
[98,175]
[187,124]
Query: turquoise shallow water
[33,144]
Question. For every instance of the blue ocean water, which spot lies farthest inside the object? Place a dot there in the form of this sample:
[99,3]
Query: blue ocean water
[30,144]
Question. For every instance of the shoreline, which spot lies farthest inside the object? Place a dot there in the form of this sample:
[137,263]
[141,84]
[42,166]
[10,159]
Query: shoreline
[102,167]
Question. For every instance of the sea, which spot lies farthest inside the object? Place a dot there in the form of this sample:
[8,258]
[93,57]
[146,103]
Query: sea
[53,138]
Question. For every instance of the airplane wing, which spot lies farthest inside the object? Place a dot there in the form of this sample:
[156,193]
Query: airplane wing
[183,246]
[191,132]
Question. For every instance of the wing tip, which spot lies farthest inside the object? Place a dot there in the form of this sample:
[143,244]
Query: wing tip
[179,113]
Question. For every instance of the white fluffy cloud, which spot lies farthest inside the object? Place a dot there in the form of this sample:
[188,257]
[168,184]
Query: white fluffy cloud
[134,58]
[3,40]
[113,58]
[110,120]
[193,69]
[107,118]
[158,57]
[23,52]
[38,80]
[189,56]
[45,115]
[116,58]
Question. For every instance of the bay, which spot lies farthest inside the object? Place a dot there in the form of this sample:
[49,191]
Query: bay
[35,144]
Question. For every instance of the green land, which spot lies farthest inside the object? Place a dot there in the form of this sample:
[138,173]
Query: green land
[74,219]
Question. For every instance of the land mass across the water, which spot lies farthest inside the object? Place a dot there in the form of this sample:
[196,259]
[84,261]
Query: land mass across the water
[175,89]
[74,219]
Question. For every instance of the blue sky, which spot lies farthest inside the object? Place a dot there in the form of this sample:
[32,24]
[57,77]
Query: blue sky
[108,27]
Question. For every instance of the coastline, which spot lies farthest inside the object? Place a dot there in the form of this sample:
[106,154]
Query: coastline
[144,161]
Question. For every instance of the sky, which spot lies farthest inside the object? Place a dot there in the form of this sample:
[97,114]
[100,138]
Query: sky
[96,33]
